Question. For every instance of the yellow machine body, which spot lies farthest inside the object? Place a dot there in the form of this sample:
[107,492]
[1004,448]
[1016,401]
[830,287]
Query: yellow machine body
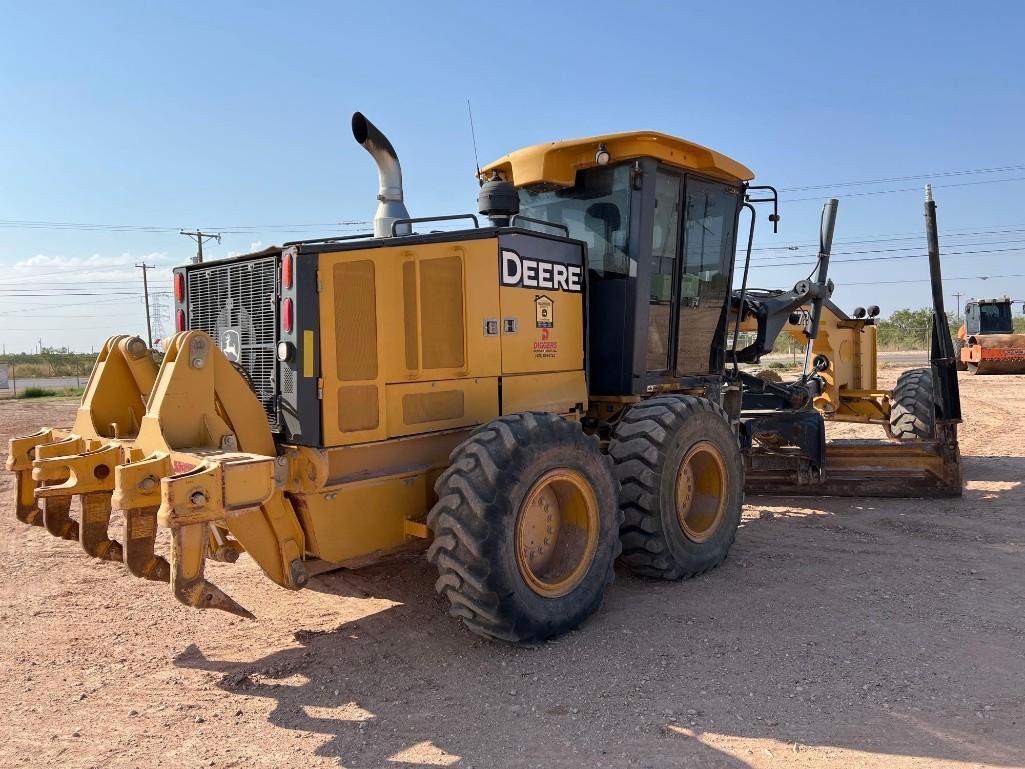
[418,343]
[406,349]
[847,353]
[851,392]
[555,164]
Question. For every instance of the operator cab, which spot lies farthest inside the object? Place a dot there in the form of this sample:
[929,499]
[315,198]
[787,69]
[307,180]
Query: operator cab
[989,316]
[659,218]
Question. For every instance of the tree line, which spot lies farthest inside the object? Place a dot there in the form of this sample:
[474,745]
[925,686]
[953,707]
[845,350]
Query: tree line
[904,330]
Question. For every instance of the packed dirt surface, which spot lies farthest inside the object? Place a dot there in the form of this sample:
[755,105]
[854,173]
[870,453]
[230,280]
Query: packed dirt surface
[839,633]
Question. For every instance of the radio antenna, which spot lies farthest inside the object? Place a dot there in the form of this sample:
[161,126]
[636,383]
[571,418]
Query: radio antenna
[473,135]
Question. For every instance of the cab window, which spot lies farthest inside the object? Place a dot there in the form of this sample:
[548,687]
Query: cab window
[710,212]
[665,246]
[596,210]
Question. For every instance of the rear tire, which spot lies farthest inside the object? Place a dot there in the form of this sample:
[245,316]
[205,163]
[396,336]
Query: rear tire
[912,406]
[526,528]
[682,476]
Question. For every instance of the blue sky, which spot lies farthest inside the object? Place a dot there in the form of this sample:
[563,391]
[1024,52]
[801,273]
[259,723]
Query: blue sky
[235,116]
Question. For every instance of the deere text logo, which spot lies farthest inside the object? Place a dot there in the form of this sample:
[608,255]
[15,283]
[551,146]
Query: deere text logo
[521,271]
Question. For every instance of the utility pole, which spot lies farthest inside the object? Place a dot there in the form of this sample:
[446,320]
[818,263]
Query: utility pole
[957,318]
[145,290]
[200,238]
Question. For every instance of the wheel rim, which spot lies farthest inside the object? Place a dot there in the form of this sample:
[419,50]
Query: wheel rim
[557,532]
[701,491]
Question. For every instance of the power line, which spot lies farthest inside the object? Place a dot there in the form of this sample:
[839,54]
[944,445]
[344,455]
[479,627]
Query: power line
[61,328]
[109,288]
[119,268]
[238,229]
[887,258]
[926,280]
[890,250]
[888,180]
[49,308]
[902,189]
[77,293]
[242,229]
[996,229]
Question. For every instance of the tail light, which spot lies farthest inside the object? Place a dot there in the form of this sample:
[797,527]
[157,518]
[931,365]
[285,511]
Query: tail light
[179,320]
[287,316]
[286,271]
[179,287]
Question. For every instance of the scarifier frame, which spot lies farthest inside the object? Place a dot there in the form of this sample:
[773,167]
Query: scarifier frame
[186,447]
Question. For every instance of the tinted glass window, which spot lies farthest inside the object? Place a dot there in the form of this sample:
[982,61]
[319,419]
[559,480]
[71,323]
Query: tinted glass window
[704,282]
[996,318]
[665,246]
[596,210]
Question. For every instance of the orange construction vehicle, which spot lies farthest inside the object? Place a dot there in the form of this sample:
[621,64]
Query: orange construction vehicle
[986,342]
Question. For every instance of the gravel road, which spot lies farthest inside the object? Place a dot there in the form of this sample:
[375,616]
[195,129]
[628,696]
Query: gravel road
[839,633]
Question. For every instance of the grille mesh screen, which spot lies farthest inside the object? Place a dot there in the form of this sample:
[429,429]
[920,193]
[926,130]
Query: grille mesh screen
[356,312]
[418,408]
[236,304]
[441,312]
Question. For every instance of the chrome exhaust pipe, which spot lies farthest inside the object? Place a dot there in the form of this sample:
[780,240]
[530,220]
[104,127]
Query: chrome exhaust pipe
[391,208]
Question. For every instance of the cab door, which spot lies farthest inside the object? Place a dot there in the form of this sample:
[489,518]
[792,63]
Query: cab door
[704,274]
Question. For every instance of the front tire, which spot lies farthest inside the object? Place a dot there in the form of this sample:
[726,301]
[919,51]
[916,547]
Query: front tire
[682,476]
[525,528]
[913,407]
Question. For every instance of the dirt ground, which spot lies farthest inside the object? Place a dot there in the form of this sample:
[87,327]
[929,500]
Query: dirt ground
[839,633]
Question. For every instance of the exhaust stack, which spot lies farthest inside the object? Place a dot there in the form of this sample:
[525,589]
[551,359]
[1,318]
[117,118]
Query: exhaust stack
[391,207]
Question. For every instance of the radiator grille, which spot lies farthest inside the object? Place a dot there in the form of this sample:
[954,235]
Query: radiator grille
[236,304]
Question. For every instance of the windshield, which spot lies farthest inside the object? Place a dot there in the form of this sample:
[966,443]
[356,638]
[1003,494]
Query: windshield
[995,318]
[596,210]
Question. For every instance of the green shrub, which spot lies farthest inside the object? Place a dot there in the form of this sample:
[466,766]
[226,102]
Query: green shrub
[36,392]
[780,364]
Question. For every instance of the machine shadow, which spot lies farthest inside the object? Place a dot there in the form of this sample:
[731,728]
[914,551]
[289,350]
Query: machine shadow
[411,679]
[736,653]
[1007,472]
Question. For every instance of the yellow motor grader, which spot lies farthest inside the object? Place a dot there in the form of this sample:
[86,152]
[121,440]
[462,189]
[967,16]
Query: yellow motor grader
[534,397]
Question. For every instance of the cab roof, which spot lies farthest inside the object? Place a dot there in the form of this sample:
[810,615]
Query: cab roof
[556,163]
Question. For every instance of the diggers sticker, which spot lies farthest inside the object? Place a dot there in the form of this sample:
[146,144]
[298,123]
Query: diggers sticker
[545,310]
[545,347]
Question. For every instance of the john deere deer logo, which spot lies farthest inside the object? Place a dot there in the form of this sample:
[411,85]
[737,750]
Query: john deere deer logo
[231,344]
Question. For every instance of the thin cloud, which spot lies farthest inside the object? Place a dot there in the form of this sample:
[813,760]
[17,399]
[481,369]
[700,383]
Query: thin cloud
[96,267]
